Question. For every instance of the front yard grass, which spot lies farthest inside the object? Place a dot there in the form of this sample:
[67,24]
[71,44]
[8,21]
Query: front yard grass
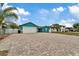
[69,33]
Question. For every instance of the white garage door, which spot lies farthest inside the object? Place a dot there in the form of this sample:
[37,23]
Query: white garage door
[29,29]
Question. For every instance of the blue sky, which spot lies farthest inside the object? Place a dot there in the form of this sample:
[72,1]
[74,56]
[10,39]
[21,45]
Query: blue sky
[47,13]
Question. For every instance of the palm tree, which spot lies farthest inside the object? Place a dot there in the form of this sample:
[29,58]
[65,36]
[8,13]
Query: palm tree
[6,13]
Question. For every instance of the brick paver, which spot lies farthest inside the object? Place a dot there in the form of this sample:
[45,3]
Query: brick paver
[39,44]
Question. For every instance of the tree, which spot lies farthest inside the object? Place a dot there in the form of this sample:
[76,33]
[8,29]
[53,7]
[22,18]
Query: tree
[57,26]
[4,26]
[6,13]
[76,26]
[14,26]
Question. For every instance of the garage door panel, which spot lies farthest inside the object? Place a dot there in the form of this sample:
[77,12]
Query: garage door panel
[29,29]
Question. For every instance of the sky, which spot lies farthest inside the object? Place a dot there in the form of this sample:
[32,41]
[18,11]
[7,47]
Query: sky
[45,14]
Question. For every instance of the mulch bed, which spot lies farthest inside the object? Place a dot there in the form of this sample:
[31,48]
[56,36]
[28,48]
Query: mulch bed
[4,53]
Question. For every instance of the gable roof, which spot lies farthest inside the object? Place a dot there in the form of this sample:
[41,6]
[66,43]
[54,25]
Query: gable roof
[29,24]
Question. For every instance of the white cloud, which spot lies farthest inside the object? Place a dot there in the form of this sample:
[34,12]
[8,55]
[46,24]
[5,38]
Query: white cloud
[73,20]
[21,11]
[54,10]
[59,9]
[74,10]
[67,23]
[42,14]
[47,15]
[43,11]
[24,19]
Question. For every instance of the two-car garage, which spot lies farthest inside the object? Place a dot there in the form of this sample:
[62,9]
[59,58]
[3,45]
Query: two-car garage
[29,28]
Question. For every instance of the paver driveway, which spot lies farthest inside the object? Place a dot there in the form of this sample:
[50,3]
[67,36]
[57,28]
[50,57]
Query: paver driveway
[40,44]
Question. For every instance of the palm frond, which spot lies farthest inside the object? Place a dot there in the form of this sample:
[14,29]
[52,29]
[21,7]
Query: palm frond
[10,9]
[12,15]
[1,19]
[14,26]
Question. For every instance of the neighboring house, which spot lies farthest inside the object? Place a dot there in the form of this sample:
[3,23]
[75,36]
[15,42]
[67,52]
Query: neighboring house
[29,28]
[43,29]
[70,29]
[53,28]
[32,28]
[62,28]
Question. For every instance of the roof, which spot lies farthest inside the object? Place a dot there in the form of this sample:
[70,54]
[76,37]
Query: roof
[53,25]
[62,26]
[29,24]
[68,27]
[43,26]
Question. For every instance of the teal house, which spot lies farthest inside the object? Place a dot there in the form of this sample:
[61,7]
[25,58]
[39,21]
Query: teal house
[29,28]
[33,28]
[43,29]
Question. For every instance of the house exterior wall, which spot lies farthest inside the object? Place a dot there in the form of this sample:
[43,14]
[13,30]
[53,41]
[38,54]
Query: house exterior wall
[45,29]
[53,30]
[62,29]
[50,30]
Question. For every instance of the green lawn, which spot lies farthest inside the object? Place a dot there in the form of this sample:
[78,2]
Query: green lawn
[69,33]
